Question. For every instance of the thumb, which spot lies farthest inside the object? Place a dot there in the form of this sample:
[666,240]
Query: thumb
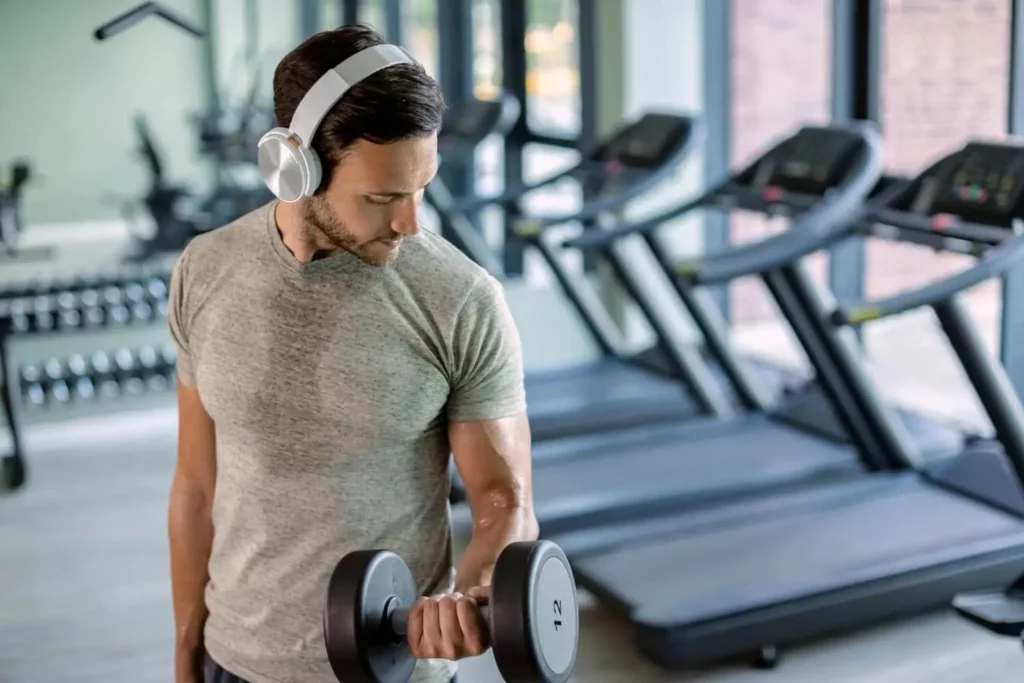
[482,594]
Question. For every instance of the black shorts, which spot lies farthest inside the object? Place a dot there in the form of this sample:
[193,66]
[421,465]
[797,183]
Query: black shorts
[215,673]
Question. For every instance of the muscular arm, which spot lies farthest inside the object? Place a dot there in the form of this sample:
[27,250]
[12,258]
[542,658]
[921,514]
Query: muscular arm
[489,433]
[191,528]
[493,459]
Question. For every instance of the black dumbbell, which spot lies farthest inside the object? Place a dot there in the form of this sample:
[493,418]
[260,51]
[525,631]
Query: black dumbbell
[532,614]
[103,374]
[128,372]
[31,382]
[79,378]
[43,312]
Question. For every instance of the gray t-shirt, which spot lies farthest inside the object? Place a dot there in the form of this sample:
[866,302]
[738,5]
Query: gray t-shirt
[331,385]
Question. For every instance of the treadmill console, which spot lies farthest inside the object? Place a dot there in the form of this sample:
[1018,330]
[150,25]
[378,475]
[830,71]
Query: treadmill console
[647,143]
[983,183]
[797,173]
[811,162]
[470,123]
[965,202]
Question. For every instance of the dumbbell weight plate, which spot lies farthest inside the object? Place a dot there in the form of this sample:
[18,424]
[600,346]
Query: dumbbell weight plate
[84,388]
[358,596]
[534,622]
[60,391]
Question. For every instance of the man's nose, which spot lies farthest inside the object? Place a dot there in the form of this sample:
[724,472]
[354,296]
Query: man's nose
[405,219]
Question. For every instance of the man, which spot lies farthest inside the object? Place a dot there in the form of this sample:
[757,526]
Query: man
[331,357]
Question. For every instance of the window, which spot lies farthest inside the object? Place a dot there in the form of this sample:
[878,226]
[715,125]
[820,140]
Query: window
[553,66]
[419,29]
[487,75]
[781,79]
[488,81]
[329,14]
[945,74]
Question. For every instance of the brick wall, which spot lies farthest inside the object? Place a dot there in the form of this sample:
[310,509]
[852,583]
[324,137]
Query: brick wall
[945,69]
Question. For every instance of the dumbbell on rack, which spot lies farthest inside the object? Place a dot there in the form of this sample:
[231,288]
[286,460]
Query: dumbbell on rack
[133,303]
[53,285]
[532,614]
[100,375]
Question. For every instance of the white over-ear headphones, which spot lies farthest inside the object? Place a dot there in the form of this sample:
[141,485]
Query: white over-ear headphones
[287,161]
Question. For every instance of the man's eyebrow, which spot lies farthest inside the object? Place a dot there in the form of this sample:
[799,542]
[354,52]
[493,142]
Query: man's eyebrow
[402,194]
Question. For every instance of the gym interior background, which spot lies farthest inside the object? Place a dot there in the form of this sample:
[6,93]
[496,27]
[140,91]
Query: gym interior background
[84,589]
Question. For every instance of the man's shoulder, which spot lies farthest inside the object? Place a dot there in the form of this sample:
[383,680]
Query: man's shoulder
[441,268]
[211,251]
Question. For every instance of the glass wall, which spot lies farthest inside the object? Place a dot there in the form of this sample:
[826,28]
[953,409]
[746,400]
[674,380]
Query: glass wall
[945,79]
[781,79]
[419,29]
[552,62]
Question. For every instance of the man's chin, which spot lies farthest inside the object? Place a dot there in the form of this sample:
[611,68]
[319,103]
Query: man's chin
[381,253]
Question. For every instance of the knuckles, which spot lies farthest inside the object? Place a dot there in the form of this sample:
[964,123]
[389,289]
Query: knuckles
[452,628]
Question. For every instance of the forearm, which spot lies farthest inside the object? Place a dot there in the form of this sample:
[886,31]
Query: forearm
[191,538]
[493,529]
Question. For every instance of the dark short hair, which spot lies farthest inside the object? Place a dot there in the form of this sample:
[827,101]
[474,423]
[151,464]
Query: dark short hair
[397,103]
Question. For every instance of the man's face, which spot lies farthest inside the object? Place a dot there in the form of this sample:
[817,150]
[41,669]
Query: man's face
[373,198]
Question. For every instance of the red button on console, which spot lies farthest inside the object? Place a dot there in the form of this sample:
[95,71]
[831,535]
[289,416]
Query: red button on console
[943,221]
[772,194]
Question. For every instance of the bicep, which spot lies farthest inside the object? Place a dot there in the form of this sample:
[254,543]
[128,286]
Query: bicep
[197,442]
[493,460]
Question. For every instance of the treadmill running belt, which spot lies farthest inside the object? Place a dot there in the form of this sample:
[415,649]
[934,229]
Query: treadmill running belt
[605,381]
[856,541]
[603,396]
[672,473]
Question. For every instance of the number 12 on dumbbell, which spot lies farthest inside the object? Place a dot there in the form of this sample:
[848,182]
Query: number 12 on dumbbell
[532,614]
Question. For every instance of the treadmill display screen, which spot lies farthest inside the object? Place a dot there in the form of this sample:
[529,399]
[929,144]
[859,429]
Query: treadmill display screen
[472,122]
[648,143]
[811,162]
[981,184]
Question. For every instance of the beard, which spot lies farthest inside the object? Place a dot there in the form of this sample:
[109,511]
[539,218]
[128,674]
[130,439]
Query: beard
[324,227]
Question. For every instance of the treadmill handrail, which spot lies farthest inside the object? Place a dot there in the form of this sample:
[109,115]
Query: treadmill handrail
[995,263]
[806,244]
[470,239]
[832,217]
[602,238]
[530,227]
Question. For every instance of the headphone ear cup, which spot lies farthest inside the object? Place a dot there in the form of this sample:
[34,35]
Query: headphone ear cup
[314,171]
[282,165]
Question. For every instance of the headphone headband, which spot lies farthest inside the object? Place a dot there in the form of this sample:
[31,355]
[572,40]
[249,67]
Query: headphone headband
[287,161]
[333,85]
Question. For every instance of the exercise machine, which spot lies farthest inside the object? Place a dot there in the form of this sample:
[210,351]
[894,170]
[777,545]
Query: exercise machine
[706,460]
[661,384]
[905,536]
[12,185]
[465,127]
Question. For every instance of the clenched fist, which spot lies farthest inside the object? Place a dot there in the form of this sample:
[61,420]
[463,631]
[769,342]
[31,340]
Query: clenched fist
[449,626]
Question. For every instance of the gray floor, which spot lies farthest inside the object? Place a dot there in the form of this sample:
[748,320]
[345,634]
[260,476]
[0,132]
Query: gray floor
[84,592]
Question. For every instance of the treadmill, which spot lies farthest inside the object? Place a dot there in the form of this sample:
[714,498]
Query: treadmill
[620,390]
[704,462]
[751,577]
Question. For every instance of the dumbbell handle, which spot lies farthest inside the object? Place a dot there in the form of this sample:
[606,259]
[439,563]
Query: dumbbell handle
[399,617]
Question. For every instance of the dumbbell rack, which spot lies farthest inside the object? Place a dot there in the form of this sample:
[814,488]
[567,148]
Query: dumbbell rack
[84,303]
[101,375]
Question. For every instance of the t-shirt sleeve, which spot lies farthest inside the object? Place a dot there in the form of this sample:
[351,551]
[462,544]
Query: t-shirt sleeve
[178,319]
[488,374]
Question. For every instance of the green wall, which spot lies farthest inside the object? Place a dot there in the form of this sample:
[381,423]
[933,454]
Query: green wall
[67,103]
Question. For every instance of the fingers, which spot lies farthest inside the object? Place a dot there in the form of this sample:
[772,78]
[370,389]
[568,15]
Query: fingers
[476,637]
[431,642]
[447,627]
[452,640]
[414,627]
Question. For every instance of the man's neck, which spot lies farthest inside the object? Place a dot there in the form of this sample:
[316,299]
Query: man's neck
[289,219]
